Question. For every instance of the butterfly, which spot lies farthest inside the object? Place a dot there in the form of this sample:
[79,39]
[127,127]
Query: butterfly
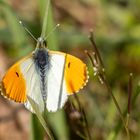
[47,77]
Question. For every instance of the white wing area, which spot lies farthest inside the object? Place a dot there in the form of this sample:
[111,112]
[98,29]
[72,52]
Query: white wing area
[55,88]
[32,84]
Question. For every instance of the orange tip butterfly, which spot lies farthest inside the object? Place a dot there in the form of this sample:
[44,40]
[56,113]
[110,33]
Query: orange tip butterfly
[47,77]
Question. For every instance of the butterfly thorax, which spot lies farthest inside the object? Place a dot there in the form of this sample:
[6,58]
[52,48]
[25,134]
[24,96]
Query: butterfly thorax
[41,56]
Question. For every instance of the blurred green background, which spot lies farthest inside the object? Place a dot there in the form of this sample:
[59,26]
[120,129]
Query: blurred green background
[116,26]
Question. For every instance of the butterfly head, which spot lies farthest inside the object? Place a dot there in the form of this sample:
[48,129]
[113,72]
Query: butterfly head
[41,43]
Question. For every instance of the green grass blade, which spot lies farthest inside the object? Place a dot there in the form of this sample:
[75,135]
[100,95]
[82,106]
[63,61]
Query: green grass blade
[40,117]
[37,132]
[58,123]
[49,23]
[43,33]
[56,120]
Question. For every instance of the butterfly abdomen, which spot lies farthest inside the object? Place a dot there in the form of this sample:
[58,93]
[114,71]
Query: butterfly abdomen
[41,59]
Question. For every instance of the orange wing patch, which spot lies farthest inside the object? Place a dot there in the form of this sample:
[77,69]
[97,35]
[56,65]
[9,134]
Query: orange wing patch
[13,84]
[75,74]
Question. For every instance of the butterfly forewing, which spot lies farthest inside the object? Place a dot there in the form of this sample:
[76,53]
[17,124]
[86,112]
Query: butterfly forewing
[13,83]
[75,73]
[32,79]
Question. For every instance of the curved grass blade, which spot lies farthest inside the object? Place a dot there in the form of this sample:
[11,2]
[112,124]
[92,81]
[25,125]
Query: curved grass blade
[48,24]
[43,33]
[56,120]
[37,132]
[40,117]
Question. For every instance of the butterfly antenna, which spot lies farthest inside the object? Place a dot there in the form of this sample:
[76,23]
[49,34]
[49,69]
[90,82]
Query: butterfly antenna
[51,31]
[26,29]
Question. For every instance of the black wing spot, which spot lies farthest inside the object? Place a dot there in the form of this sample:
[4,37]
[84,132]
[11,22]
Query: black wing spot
[69,65]
[17,74]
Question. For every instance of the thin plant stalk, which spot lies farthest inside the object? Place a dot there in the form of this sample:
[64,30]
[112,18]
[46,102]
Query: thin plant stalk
[130,92]
[102,77]
[119,124]
[84,116]
[129,102]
